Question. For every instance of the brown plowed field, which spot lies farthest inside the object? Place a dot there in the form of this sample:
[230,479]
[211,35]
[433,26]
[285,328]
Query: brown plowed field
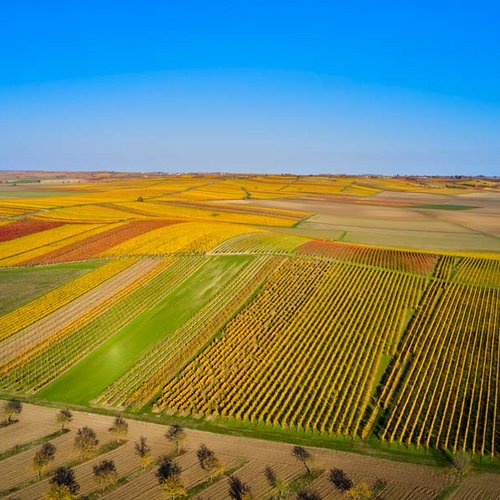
[250,456]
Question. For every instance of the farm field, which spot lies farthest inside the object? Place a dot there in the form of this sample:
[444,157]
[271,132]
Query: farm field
[410,220]
[100,368]
[356,313]
[22,285]
[244,457]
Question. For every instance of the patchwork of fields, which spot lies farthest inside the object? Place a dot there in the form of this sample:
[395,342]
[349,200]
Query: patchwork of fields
[210,297]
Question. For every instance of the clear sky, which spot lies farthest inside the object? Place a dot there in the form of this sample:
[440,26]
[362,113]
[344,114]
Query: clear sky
[275,86]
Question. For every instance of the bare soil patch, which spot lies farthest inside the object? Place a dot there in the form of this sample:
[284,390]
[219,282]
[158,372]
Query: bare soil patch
[249,456]
[394,219]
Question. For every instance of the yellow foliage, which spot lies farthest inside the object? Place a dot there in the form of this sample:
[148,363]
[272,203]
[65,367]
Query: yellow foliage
[36,240]
[86,213]
[33,311]
[34,245]
[170,210]
[185,237]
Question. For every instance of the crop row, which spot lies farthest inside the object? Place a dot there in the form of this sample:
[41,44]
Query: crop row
[156,367]
[69,318]
[85,213]
[19,228]
[11,250]
[235,209]
[445,267]
[93,245]
[480,272]
[261,243]
[399,260]
[162,208]
[442,389]
[82,232]
[37,309]
[186,237]
[305,353]
[63,353]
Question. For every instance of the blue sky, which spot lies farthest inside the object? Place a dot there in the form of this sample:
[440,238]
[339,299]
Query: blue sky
[276,86]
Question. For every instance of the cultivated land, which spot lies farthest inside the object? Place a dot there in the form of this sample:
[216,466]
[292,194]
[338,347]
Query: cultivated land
[355,313]
[418,221]
[245,457]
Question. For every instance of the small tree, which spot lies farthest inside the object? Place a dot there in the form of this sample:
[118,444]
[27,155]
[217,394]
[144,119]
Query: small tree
[209,462]
[11,408]
[43,457]
[360,491]
[140,199]
[86,441]
[64,417]
[302,455]
[340,480]
[177,435]
[143,451]
[119,429]
[279,487]
[306,494]
[63,485]
[238,490]
[105,474]
[169,477]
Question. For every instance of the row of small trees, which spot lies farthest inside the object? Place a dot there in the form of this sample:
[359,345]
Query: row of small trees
[14,407]
[169,477]
[63,483]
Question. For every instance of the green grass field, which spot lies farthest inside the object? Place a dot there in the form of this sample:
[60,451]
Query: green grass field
[84,381]
[18,286]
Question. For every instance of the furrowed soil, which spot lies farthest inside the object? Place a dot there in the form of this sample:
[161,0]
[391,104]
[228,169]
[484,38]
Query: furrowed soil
[244,457]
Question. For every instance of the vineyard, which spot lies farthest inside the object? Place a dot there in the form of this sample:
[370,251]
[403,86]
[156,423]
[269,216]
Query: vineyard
[200,299]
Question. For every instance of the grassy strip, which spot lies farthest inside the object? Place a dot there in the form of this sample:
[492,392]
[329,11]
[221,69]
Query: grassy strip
[198,488]
[6,423]
[99,493]
[90,376]
[301,221]
[447,492]
[19,448]
[303,480]
[105,448]
[20,285]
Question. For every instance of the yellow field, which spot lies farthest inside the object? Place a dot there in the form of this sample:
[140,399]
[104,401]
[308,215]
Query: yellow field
[246,300]
[185,237]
